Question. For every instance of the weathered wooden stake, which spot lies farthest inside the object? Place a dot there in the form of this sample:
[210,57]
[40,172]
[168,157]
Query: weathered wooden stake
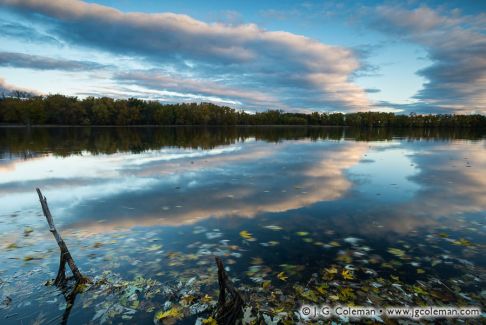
[65,256]
[231,311]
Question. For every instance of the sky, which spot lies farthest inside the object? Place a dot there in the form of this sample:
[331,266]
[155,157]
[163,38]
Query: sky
[345,56]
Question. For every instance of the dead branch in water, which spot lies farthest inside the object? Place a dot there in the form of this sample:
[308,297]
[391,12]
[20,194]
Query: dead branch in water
[229,309]
[65,256]
[228,312]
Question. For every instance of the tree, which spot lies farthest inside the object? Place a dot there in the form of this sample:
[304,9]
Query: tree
[59,109]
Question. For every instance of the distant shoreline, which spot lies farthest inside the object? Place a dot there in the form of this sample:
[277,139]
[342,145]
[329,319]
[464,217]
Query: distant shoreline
[20,126]
[64,111]
[165,126]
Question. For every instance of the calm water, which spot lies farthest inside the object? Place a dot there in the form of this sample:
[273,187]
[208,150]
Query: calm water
[298,215]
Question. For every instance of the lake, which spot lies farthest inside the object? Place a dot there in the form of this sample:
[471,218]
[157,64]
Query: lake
[298,215]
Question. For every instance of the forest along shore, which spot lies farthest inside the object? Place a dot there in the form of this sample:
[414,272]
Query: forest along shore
[65,110]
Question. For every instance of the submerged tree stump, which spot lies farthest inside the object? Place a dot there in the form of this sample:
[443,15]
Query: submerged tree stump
[65,257]
[228,312]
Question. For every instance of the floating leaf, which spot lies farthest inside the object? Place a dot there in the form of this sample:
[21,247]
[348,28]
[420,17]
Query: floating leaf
[387,265]
[435,262]
[346,294]
[309,295]
[302,233]
[135,304]
[270,244]
[269,321]
[330,273]
[256,260]
[347,274]
[418,290]
[334,244]
[274,227]
[213,235]
[352,240]
[209,321]
[282,276]
[246,235]
[462,242]
[174,312]
[187,300]
[154,247]
[266,284]
[97,245]
[278,310]
[331,270]
[247,316]
[31,257]
[12,246]
[322,289]
[28,231]
[396,251]
[345,258]
[206,299]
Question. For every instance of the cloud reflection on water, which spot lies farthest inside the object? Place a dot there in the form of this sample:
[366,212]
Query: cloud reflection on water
[298,179]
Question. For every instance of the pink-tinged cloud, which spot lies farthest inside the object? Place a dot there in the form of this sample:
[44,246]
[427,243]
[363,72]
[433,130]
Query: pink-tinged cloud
[7,89]
[293,68]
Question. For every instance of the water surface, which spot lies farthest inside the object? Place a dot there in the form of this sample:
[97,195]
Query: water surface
[298,215]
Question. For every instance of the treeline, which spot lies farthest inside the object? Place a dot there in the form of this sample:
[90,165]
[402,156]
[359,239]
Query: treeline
[65,110]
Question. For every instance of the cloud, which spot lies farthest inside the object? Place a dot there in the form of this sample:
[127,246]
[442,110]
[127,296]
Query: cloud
[154,174]
[4,87]
[372,90]
[37,62]
[294,68]
[157,177]
[20,31]
[7,89]
[456,45]
[194,88]
[448,189]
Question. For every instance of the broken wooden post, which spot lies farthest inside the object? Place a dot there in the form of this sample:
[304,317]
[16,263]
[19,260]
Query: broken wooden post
[65,255]
[228,312]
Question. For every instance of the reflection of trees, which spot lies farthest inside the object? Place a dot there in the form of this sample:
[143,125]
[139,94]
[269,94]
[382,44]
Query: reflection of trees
[28,142]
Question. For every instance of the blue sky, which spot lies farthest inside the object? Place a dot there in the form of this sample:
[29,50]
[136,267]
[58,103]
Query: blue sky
[427,56]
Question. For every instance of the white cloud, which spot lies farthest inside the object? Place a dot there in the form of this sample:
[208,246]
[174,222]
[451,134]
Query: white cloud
[456,44]
[283,65]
